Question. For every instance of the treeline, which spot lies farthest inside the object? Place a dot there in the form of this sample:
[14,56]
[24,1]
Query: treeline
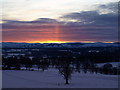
[16,63]
[66,65]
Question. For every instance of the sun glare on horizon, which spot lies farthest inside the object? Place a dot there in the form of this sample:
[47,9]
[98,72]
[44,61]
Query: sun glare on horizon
[49,41]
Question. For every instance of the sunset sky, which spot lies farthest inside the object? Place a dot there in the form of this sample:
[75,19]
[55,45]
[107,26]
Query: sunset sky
[57,21]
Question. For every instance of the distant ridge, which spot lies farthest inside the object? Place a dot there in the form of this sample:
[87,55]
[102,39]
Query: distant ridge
[60,43]
[57,45]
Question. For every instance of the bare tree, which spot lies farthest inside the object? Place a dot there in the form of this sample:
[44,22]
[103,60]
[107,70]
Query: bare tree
[65,68]
[66,72]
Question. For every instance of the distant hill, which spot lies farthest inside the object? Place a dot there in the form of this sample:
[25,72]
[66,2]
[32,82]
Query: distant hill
[57,45]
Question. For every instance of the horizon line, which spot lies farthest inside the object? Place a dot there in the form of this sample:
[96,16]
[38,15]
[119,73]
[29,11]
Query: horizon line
[62,42]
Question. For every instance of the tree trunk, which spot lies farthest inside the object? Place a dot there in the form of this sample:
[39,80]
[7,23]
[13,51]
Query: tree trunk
[66,81]
[43,69]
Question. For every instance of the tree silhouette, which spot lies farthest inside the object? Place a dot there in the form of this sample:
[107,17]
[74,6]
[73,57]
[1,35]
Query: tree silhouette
[65,68]
[66,72]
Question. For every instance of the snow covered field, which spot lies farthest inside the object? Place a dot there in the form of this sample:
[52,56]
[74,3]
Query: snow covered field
[52,79]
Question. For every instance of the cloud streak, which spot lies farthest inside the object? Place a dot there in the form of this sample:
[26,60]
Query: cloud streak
[79,26]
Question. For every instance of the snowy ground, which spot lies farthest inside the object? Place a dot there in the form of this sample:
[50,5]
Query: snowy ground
[0,79]
[52,79]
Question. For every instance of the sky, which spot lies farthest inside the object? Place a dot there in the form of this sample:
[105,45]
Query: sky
[47,21]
